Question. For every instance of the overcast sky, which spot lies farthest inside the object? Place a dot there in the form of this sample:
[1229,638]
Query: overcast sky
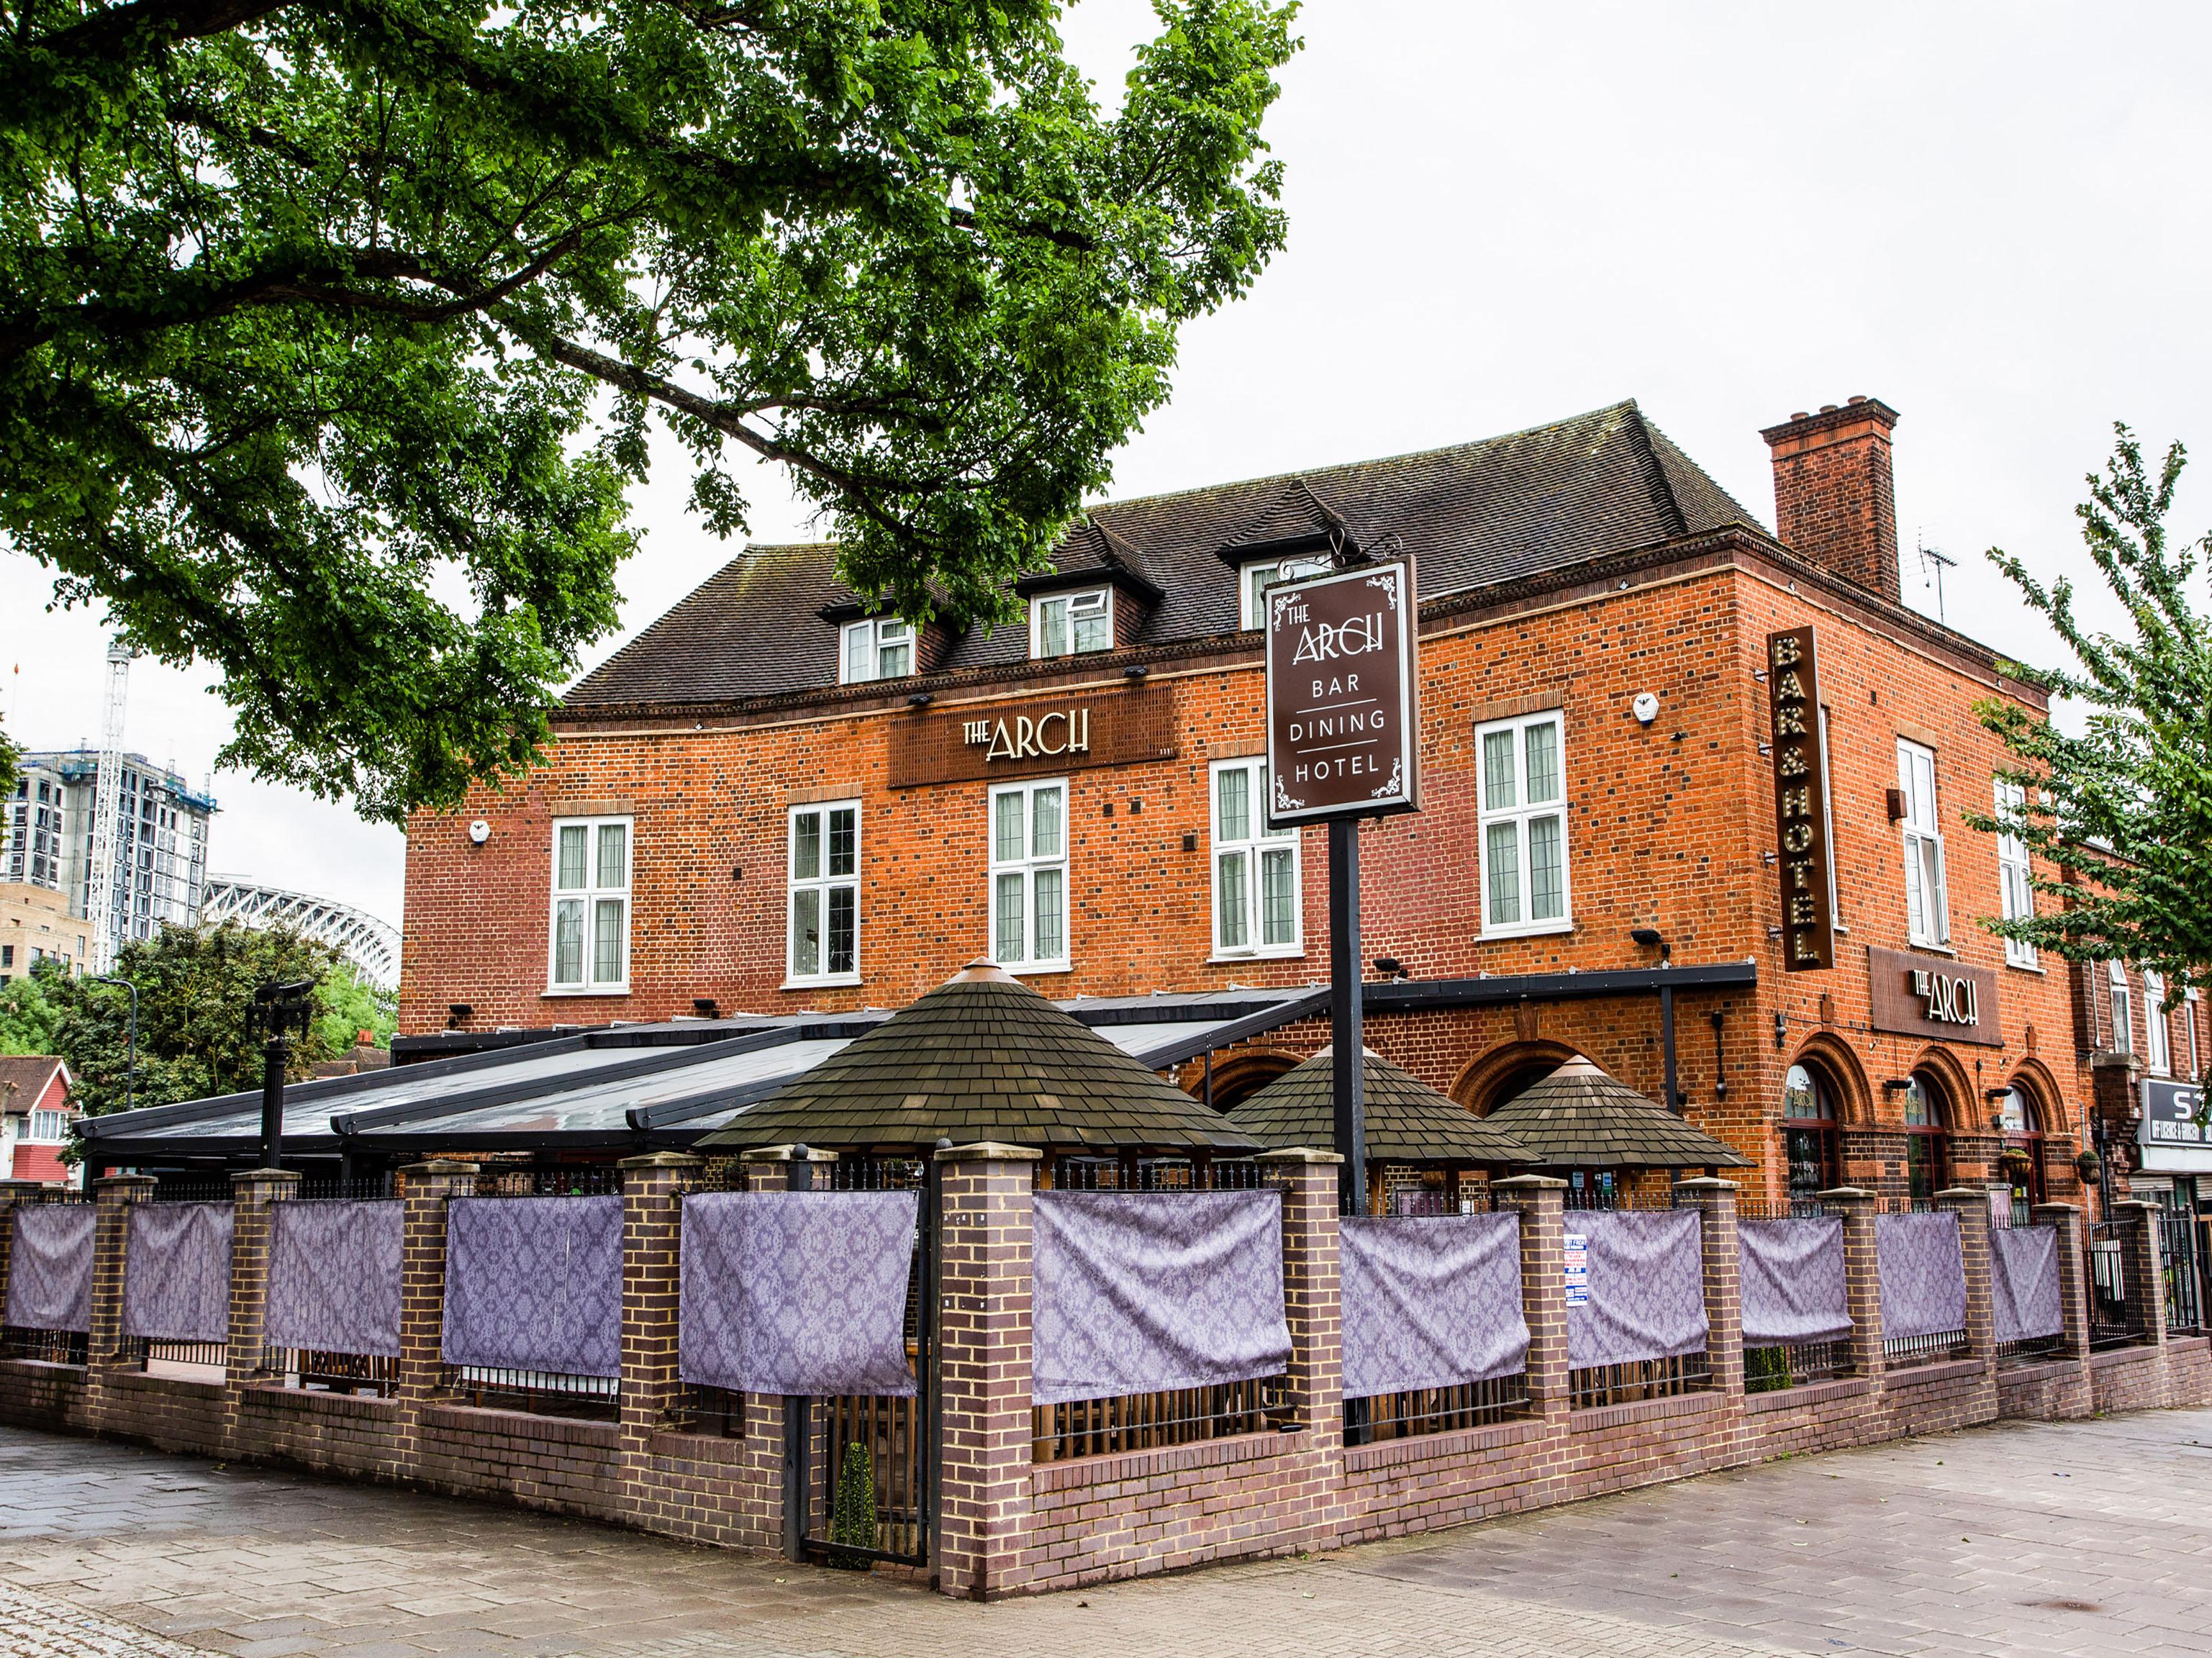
[1992,216]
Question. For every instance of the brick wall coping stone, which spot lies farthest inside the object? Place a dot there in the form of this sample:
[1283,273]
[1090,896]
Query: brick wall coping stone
[1299,1154]
[2025,1376]
[1426,1448]
[782,1154]
[698,1448]
[137,1381]
[1115,1469]
[1927,1375]
[1708,1183]
[989,1151]
[519,1424]
[308,1402]
[1529,1183]
[662,1160]
[1811,1393]
[124,1182]
[2111,1357]
[1597,1418]
[1842,1193]
[440,1166]
[37,1367]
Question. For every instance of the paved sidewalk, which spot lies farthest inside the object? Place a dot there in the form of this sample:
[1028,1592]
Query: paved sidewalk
[2082,1538]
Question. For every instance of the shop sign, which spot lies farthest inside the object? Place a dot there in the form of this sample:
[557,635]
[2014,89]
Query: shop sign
[1801,794]
[975,741]
[1919,996]
[1343,705]
[2173,1121]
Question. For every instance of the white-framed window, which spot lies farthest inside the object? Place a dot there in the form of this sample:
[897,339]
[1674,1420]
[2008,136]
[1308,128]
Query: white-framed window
[823,937]
[1256,887]
[590,951]
[1522,783]
[876,647]
[2158,1051]
[49,1126]
[2019,897]
[2191,1011]
[1072,624]
[1927,904]
[1273,572]
[2123,1024]
[1029,876]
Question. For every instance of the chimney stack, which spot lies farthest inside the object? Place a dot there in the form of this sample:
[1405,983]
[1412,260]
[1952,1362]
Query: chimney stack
[1832,498]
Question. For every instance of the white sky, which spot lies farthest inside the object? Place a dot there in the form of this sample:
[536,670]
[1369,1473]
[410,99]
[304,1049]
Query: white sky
[1992,216]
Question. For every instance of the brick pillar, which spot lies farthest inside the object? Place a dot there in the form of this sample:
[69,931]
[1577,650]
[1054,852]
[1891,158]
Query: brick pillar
[1539,1199]
[983,1367]
[1311,1300]
[1862,1274]
[2139,1258]
[424,1188]
[252,1193]
[652,1394]
[11,1193]
[768,1168]
[1971,1204]
[111,1240]
[2065,1219]
[1715,1200]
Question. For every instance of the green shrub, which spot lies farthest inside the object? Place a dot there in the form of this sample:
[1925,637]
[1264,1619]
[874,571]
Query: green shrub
[853,1521]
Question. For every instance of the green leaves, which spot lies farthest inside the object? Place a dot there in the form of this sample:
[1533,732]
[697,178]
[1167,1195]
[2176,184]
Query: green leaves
[2124,808]
[329,332]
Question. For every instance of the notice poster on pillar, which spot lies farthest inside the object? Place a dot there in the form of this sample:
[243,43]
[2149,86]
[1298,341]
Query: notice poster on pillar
[1575,1258]
[1799,752]
[1343,699]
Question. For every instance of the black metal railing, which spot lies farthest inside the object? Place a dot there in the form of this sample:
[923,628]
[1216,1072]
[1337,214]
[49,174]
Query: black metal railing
[1144,1422]
[320,1187]
[2029,1349]
[146,1351]
[560,1180]
[719,1411]
[1770,1370]
[1637,1380]
[373,1375]
[1423,1411]
[46,1346]
[540,1392]
[1904,1352]
[2116,1317]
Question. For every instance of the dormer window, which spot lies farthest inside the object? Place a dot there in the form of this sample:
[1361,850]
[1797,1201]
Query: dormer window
[877,647]
[1272,572]
[1072,624]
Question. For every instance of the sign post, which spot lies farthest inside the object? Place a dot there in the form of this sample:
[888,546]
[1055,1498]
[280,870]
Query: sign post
[1343,743]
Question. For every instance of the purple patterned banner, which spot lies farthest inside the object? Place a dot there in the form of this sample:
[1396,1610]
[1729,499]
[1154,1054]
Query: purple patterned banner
[1430,1302]
[1140,1292]
[797,1292]
[1792,1273]
[1647,1286]
[334,1277]
[534,1283]
[176,1272]
[2024,1283]
[1923,1276]
[50,1267]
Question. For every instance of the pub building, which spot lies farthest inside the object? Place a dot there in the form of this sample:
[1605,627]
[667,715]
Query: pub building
[1691,801]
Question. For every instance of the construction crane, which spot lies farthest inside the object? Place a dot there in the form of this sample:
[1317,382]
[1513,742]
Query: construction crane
[100,895]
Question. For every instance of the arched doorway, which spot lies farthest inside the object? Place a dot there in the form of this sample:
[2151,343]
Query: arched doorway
[1928,1117]
[2022,1163]
[1808,1131]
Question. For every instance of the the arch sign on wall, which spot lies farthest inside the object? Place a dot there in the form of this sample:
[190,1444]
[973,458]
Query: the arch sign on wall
[1933,996]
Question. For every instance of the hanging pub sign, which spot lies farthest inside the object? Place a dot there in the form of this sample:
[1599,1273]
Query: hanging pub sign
[1801,794]
[2174,1133]
[1342,697]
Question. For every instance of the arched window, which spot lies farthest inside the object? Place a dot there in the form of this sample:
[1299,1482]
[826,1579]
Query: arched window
[1927,1151]
[2123,1024]
[1809,1132]
[2023,1132]
[2157,1052]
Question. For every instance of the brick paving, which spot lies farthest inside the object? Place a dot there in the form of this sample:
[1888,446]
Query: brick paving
[2086,1538]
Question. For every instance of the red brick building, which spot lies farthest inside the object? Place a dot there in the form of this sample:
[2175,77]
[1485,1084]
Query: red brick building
[771,801]
[35,1113]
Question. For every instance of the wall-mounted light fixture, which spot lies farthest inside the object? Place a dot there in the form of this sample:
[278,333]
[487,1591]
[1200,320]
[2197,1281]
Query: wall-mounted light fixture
[1390,967]
[456,1014]
[1134,672]
[919,699]
[1650,937]
[703,1007]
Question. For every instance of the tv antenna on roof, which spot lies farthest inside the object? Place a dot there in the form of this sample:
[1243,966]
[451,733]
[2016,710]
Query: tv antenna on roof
[1933,563]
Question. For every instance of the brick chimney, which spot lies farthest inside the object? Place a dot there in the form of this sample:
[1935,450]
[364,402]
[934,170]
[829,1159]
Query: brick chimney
[1833,500]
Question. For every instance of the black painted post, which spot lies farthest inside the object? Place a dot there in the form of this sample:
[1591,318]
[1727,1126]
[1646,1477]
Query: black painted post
[1346,1035]
[798,1412]
[1667,1043]
[274,1054]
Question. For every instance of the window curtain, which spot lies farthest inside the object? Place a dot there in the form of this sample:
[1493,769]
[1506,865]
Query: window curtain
[1923,1276]
[1430,1302]
[334,1277]
[176,1278]
[797,1292]
[534,1283]
[2024,1282]
[1647,1286]
[1792,1273]
[50,1267]
[1138,1292]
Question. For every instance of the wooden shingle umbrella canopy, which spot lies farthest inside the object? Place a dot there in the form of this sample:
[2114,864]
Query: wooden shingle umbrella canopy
[982,1057]
[1407,1121]
[1580,1118]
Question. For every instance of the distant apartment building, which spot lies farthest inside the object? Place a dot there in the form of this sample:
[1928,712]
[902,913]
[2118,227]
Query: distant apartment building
[35,927]
[160,839]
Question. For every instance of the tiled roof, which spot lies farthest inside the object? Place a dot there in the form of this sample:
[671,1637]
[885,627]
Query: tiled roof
[982,1058]
[1473,516]
[1580,1118]
[1407,1121]
[24,1079]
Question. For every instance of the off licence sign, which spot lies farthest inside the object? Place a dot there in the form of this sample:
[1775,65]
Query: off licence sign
[1342,695]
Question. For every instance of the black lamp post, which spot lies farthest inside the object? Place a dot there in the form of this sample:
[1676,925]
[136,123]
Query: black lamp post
[277,1009]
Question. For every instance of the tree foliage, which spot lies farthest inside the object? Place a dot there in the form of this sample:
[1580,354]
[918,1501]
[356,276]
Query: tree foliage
[28,1015]
[2124,807]
[195,986]
[314,311]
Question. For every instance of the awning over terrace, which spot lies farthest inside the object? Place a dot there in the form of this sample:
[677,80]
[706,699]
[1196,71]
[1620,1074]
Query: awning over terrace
[625,1089]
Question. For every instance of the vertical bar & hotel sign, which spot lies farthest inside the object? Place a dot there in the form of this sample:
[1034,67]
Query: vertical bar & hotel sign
[1801,796]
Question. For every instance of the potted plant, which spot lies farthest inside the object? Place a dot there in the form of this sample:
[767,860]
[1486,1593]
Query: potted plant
[2015,1164]
[2090,1166]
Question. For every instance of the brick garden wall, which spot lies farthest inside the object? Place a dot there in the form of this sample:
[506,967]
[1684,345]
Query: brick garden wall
[1006,1524]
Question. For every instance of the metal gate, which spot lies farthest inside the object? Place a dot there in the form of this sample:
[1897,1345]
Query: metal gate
[834,1511]
[2180,1265]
